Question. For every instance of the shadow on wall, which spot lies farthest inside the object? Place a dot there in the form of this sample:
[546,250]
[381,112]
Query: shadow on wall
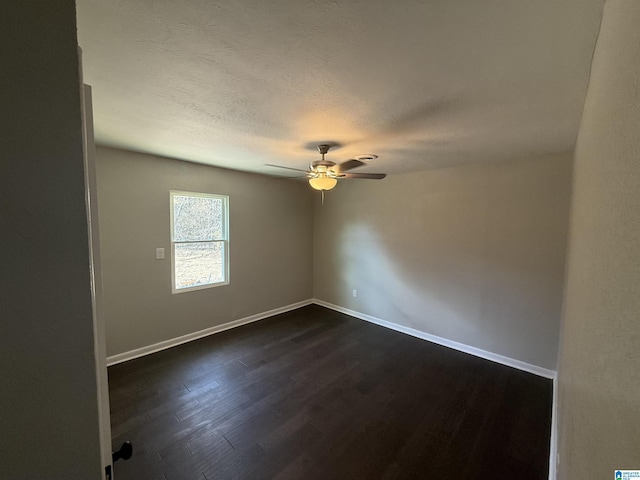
[436,299]
[474,255]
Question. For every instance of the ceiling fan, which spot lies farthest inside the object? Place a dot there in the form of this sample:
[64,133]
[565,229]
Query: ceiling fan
[323,174]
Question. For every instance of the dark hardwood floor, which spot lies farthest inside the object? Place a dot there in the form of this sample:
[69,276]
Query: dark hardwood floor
[314,394]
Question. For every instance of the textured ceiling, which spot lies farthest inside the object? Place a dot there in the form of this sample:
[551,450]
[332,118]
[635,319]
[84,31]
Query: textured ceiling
[423,84]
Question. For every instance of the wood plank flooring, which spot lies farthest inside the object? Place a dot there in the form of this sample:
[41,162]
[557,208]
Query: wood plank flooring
[315,394]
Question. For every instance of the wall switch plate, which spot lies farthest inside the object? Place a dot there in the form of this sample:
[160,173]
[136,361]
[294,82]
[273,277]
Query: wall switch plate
[159,253]
[355,293]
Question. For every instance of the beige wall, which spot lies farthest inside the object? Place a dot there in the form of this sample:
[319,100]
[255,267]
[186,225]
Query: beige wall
[599,374]
[271,229]
[474,254]
[48,400]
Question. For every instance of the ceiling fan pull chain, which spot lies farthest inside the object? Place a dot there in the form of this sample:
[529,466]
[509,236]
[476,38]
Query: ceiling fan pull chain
[322,200]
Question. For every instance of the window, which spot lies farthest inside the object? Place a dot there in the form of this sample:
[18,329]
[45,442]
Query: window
[199,240]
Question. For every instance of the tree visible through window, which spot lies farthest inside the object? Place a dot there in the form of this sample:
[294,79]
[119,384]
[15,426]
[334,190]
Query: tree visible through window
[199,240]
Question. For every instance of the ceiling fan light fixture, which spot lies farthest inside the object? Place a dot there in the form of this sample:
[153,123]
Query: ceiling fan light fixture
[323,182]
[323,174]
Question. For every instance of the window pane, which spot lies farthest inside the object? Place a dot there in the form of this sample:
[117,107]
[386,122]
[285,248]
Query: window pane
[200,263]
[197,218]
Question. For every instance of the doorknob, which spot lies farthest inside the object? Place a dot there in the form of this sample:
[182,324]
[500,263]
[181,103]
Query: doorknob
[125,452]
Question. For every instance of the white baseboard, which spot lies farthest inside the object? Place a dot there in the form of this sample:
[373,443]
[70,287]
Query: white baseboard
[511,362]
[156,347]
[494,357]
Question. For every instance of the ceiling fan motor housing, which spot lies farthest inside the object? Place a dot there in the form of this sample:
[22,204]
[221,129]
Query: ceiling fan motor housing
[323,149]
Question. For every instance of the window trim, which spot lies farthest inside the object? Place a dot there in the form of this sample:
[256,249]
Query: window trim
[224,241]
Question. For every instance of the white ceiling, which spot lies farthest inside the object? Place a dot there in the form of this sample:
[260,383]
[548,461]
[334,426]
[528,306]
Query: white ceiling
[423,84]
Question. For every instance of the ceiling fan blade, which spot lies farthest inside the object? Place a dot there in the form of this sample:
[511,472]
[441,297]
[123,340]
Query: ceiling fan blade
[350,165]
[287,177]
[371,176]
[288,168]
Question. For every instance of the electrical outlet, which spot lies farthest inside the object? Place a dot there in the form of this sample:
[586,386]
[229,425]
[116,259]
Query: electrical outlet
[159,253]
[355,293]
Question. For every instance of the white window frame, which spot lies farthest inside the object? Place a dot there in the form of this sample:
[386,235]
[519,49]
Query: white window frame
[224,241]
